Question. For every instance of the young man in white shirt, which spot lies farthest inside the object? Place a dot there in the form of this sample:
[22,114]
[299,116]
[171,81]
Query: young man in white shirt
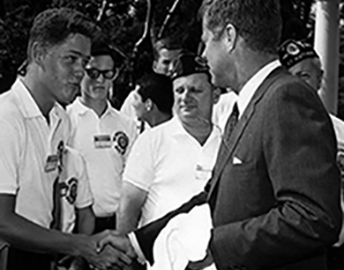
[101,134]
[34,129]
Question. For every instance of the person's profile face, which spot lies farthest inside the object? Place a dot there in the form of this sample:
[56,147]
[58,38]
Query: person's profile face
[193,97]
[63,68]
[98,78]
[308,70]
[165,62]
[214,50]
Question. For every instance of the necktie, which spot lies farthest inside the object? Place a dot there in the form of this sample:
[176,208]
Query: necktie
[231,122]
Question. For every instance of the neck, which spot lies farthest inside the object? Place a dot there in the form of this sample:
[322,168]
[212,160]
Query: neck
[247,69]
[200,130]
[98,106]
[39,92]
[158,118]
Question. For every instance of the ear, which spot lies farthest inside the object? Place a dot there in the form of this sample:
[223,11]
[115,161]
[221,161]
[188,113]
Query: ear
[230,37]
[216,95]
[38,53]
[155,63]
[148,104]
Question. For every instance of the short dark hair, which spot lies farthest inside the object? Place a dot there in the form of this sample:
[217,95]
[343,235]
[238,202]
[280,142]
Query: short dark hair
[258,22]
[167,43]
[101,45]
[158,88]
[52,26]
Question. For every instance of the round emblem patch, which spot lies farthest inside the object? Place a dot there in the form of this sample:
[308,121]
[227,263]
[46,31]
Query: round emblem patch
[120,142]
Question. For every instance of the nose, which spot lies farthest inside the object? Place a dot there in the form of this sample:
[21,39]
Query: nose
[100,78]
[79,71]
[185,95]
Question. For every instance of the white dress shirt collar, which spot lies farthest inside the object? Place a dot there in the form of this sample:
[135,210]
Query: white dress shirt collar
[251,86]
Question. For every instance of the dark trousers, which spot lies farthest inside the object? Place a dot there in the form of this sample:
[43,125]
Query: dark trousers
[24,260]
[104,223]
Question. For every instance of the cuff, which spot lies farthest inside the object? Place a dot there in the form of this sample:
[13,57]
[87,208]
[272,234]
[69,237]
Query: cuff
[133,240]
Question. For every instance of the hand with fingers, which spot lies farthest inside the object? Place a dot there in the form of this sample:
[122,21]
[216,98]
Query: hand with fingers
[106,258]
[118,241]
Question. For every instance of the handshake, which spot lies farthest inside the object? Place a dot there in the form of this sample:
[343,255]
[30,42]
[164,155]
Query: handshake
[106,250]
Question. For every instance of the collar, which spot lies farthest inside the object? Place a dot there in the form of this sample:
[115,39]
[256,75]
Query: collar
[253,84]
[28,105]
[80,108]
[177,129]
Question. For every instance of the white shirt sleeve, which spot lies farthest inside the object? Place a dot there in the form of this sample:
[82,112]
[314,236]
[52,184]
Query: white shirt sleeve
[84,197]
[9,158]
[133,134]
[133,240]
[139,169]
[127,107]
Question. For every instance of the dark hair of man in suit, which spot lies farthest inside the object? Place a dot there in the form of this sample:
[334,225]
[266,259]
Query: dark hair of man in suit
[251,18]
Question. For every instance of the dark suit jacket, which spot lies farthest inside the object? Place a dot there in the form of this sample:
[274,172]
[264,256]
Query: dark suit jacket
[279,208]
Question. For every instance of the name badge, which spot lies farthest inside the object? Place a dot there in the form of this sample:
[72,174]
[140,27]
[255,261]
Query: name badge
[51,163]
[102,141]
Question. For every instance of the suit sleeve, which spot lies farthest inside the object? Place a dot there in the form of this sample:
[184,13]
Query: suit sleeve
[299,150]
[147,235]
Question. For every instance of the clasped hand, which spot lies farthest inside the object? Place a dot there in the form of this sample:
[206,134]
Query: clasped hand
[113,251]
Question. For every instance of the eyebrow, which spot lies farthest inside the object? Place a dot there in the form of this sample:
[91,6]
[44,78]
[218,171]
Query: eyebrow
[88,57]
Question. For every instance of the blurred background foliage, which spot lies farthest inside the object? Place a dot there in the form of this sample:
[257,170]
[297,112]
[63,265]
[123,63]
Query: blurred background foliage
[124,21]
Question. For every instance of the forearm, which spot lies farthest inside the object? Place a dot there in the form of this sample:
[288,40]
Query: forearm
[132,201]
[22,233]
[127,219]
[85,221]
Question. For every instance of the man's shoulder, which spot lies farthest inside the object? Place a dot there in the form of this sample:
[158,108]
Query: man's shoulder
[123,119]
[160,133]
[73,108]
[10,108]
[284,84]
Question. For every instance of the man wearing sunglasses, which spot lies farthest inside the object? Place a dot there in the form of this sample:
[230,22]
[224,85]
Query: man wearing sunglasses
[101,134]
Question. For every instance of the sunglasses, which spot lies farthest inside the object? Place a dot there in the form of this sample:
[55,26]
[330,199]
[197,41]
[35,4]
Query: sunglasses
[94,73]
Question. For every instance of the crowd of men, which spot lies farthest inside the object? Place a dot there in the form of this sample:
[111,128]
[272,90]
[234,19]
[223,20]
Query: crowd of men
[183,177]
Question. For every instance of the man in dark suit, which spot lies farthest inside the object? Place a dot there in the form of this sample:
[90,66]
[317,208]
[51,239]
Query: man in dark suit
[274,193]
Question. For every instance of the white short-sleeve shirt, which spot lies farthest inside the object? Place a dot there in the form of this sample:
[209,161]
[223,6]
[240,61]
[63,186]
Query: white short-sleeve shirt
[223,108]
[129,110]
[74,187]
[27,142]
[104,143]
[171,166]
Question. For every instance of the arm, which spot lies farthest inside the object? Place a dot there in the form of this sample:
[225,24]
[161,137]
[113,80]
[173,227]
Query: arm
[146,236]
[297,150]
[22,233]
[85,220]
[131,203]
[19,232]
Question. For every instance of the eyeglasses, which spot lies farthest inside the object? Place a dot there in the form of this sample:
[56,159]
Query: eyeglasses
[94,73]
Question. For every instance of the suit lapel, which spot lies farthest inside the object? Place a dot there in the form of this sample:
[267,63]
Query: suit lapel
[229,144]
